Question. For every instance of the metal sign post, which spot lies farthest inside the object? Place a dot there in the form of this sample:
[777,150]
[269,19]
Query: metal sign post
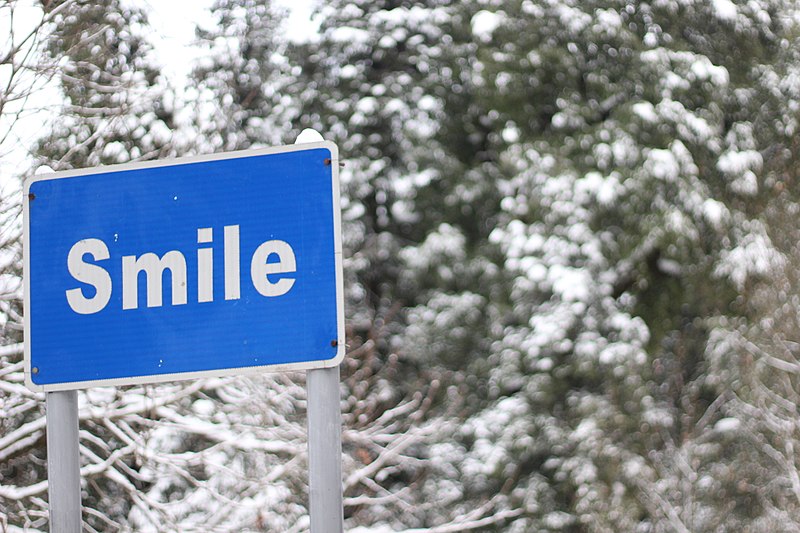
[325,451]
[326,506]
[63,462]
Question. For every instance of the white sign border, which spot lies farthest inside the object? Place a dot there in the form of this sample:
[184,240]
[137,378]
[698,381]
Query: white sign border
[222,372]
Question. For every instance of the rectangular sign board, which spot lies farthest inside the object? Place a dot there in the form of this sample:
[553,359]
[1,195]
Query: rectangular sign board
[203,266]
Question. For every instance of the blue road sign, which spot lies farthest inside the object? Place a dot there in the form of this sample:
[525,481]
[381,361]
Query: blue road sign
[203,266]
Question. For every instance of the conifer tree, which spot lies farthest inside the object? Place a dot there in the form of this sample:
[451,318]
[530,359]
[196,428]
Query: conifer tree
[569,254]
[597,169]
[115,108]
[259,90]
[239,84]
[635,179]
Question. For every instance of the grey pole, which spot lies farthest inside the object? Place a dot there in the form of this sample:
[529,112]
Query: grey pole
[325,451]
[326,507]
[63,462]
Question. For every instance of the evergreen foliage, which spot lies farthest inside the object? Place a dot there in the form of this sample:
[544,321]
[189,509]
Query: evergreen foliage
[115,110]
[570,255]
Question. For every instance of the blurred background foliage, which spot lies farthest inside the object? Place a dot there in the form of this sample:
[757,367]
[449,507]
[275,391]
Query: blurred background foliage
[570,239]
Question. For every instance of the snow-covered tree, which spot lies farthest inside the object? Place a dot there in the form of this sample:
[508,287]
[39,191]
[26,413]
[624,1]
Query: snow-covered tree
[753,357]
[569,253]
[578,207]
[238,84]
[115,109]
[635,168]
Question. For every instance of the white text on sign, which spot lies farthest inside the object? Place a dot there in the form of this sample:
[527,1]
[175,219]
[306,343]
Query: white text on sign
[154,266]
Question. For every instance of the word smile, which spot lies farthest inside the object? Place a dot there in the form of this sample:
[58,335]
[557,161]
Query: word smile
[154,267]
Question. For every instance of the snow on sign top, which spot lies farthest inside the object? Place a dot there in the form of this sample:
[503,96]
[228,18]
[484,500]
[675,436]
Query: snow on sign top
[203,266]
